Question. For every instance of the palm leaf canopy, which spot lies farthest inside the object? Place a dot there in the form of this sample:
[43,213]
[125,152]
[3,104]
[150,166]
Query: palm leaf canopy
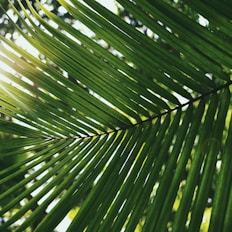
[129,130]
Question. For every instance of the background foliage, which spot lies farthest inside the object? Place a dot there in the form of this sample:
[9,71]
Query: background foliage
[123,126]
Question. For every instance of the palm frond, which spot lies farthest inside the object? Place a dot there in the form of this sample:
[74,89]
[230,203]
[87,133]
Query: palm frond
[134,136]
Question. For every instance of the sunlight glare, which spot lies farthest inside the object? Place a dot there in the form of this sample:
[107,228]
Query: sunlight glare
[109,4]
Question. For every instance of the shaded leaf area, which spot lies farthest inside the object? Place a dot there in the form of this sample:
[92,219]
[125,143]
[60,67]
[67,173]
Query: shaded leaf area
[140,139]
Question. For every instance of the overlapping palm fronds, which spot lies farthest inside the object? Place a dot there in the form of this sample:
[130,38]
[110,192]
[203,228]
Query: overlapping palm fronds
[136,137]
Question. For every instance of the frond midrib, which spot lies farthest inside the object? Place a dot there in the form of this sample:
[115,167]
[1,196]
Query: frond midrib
[150,119]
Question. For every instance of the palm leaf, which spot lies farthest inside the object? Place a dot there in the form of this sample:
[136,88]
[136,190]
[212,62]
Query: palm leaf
[136,137]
